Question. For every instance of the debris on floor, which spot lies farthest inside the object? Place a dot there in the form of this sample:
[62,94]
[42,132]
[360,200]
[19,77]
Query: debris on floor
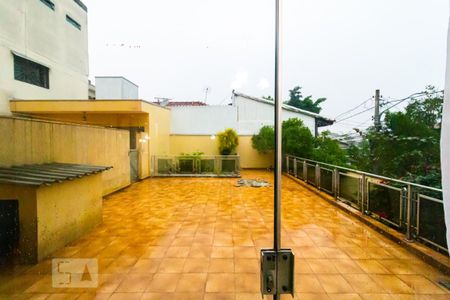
[252,183]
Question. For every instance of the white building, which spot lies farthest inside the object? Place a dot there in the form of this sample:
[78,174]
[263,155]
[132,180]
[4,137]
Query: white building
[246,115]
[43,50]
[115,87]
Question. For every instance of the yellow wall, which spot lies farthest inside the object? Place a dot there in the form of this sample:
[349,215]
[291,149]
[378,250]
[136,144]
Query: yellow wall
[116,120]
[66,211]
[32,142]
[249,157]
[159,129]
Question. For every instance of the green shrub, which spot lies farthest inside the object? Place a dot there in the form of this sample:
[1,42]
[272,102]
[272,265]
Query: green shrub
[264,141]
[228,141]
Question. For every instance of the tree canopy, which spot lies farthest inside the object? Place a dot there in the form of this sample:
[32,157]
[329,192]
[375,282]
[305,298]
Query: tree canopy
[407,146]
[328,150]
[297,140]
[296,99]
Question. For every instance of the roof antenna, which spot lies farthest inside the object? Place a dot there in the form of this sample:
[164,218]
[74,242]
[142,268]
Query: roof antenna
[207,91]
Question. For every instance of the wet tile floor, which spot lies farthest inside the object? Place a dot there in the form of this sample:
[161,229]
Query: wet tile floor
[200,239]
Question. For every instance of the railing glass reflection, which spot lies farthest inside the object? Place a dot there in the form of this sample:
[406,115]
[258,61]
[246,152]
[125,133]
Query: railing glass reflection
[202,166]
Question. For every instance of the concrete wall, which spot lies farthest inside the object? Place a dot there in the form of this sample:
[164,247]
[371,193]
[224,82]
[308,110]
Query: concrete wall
[253,115]
[33,30]
[250,158]
[31,142]
[246,116]
[115,88]
[67,211]
[203,120]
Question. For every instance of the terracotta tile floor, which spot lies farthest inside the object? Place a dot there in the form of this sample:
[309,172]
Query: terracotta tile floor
[200,239]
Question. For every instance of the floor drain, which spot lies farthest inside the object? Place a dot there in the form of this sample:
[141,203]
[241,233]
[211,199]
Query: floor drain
[445,284]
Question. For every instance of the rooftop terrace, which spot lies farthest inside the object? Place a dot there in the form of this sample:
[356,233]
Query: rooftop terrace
[192,238]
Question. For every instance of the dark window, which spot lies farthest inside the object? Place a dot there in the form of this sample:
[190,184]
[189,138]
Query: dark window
[49,4]
[31,72]
[81,4]
[9,227]
[73,22]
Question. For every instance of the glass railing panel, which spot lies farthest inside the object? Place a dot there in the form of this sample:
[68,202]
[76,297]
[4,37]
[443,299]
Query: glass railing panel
[165,166]
[300,170]
[385,202]
[326,180]
[207,166]
[431,221]
[291,165]
[229,166]
[350,188]
[311,174]
[186,165]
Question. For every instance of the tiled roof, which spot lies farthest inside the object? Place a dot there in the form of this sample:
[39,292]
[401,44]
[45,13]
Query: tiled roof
[47,174]
[183,103]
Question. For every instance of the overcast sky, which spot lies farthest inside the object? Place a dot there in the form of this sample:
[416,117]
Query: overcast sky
[339,49]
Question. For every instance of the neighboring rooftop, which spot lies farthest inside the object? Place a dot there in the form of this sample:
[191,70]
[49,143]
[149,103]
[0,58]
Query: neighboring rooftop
[171,103]
[322,121]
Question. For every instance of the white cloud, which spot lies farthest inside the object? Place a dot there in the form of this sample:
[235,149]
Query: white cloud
[240,80]
[263,84]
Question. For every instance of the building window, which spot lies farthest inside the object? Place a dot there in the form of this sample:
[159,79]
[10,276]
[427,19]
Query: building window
[31,72]
[49,3]
[73,22]
[81,4]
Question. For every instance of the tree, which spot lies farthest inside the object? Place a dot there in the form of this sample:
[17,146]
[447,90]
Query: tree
[408,144]
[297,139]
[296,99]
[270,98]
[328,150]
[228,141]
[264,141]
[359,156]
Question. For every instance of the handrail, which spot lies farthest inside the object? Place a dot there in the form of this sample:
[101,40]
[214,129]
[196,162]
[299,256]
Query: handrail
[405,209]
[369,174]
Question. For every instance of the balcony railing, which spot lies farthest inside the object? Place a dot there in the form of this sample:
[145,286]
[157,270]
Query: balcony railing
[413,209]
[197,166]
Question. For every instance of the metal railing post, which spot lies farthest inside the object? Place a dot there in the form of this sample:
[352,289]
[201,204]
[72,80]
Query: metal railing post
[363,192]
[287,164]
[295,166]
[317,176]
[408,213]
[336,183]
[305,171]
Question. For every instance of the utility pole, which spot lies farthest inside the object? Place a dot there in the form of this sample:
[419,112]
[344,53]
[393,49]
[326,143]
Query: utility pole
[377,123]
[376,116]
[206,94]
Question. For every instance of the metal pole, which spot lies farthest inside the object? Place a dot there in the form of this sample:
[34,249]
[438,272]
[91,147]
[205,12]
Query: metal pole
[278,153]
[376,117]
[408,213]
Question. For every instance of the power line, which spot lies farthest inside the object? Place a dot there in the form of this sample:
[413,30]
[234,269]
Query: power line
[353,109]
[398,102]
[354,115]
